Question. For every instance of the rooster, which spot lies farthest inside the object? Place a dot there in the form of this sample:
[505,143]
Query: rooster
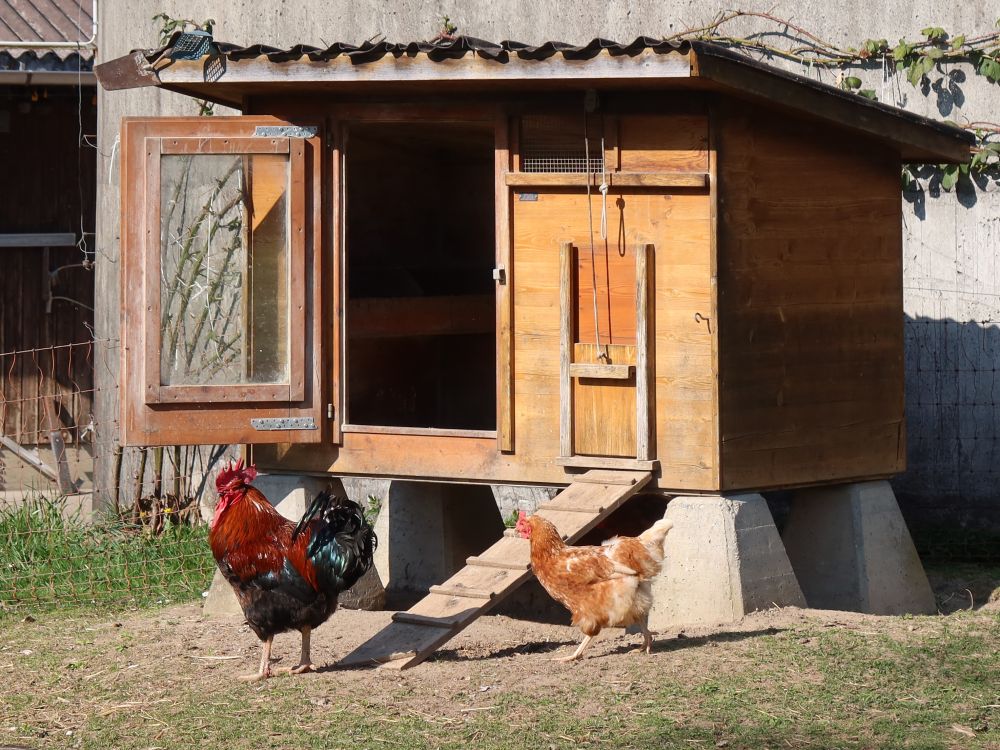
[286,576]
[606,586]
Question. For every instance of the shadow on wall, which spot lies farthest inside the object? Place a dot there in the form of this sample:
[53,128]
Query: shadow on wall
[950,493]
[921,182]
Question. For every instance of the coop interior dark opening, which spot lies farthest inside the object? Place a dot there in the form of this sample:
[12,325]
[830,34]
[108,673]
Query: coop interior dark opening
[420,252]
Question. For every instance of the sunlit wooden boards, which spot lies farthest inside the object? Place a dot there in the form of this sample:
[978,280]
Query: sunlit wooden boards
[810,304]
[488,578]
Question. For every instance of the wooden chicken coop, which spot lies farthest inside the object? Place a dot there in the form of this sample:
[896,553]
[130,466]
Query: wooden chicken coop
[498,263]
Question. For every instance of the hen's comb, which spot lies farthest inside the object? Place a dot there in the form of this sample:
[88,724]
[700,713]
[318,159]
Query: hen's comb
[233,472]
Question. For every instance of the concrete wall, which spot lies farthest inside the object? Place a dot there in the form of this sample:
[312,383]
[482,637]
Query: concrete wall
[951,279]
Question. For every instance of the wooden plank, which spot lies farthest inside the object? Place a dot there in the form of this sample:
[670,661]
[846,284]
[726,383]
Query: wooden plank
[58,445]
[38,239]
[601,372]
[382,317]
[29,457]
[412,619]
[523,180]
[504,299]
[566,256]
[502,564]
[603,462]
[598,476]
[644,433]
[472,591]
[665,143]
[461,592]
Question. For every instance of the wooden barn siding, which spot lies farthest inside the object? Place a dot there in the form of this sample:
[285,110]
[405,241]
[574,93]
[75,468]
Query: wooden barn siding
[49,184]
[810,304]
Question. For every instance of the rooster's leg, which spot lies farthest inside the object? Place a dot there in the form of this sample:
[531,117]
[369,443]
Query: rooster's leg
[305,663]
[265,664]
[576,654]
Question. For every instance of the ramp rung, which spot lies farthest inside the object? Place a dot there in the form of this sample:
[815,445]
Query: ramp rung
[485,562]
[606,476]
[556,506]
[435,622]
[462,591]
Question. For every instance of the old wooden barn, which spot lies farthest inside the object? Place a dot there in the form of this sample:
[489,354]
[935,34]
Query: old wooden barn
[611,267]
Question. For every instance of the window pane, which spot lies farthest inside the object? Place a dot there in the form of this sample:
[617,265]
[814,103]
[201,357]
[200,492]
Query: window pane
[223,269]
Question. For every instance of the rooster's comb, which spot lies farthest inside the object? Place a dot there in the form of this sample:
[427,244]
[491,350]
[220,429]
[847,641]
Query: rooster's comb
[235,474]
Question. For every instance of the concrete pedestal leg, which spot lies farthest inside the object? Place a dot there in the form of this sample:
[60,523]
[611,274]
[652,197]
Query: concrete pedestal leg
[851,550]
[724,559]
[426,531]
[291,496]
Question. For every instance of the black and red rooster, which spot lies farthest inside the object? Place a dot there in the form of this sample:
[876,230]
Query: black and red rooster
[286,576]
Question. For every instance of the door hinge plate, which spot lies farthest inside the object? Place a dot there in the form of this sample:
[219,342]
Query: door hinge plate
[285,131]
[283,423]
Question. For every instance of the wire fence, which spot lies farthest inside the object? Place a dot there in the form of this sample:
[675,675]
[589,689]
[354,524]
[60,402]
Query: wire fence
[67,537]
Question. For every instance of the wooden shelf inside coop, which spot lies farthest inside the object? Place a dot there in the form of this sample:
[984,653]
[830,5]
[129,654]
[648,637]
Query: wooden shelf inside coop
[382,317]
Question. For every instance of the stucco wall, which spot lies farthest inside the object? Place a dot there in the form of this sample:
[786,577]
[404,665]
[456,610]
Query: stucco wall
[951,240]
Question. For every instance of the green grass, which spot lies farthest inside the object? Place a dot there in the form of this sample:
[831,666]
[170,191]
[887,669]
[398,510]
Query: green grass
[48,560]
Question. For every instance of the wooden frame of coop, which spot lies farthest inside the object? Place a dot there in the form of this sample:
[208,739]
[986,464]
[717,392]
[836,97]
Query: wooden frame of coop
[482,264]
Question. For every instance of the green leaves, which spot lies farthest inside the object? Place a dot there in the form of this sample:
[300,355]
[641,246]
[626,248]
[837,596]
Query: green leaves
[934,34]
[868,94]
[988,66]
[958,42]
[872,48]
[850,83]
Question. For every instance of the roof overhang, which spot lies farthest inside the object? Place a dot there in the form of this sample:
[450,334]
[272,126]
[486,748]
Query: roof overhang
[231,75]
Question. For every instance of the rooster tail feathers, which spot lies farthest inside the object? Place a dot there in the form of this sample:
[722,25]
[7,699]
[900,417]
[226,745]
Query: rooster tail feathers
[653,537]
[341,541]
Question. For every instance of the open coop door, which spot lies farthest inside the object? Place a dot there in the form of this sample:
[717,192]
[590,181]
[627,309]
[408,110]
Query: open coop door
[221,282]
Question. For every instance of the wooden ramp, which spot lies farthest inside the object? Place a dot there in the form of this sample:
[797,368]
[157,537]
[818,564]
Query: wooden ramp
[490,577]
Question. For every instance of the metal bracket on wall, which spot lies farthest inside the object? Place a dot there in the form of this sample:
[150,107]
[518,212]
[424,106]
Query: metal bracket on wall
[285,131]
[283,423]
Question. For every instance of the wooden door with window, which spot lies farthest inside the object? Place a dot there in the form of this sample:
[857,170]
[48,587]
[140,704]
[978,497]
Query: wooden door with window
[221,279]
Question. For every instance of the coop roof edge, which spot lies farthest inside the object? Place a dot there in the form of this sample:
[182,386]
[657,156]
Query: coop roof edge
[230,73]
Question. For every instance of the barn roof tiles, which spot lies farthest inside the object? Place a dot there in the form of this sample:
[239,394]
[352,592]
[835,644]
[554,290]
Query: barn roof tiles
[30,28]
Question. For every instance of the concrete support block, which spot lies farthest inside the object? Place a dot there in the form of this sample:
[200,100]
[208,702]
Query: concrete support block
[724,559]
[427,530]
[851,550]
[511,498]
[290,496]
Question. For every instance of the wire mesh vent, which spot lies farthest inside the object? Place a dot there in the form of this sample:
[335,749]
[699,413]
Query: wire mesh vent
[556,144]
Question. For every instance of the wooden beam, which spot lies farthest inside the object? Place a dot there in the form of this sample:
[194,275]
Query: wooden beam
[615,179]
[51,239]
[605,462]
[29,457]
[566,262]
[645,428]
[603,372]
[504,284]
[460,591]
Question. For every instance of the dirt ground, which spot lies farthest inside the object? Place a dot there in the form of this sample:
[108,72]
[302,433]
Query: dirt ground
[161,678]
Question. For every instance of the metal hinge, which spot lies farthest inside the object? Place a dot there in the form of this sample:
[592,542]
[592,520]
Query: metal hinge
[283,423]
[329,411]
[500,275]
[285,131]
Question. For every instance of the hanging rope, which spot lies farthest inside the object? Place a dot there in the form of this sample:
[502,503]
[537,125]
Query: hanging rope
[590,225]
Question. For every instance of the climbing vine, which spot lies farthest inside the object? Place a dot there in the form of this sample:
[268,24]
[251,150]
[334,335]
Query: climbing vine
[918,60]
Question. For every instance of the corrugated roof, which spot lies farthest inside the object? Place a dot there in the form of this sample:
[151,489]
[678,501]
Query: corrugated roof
[229,73]
[42,23]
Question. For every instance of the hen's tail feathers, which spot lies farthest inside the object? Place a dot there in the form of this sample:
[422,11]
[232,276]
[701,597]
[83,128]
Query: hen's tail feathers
[653,537]
[341,543]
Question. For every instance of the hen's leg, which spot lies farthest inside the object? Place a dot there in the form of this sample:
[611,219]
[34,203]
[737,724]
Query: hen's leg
[305,663]
[265,664]
[579,650]
[647,638]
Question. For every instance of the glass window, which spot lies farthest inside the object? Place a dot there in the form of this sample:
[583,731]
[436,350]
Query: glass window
[224,269]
